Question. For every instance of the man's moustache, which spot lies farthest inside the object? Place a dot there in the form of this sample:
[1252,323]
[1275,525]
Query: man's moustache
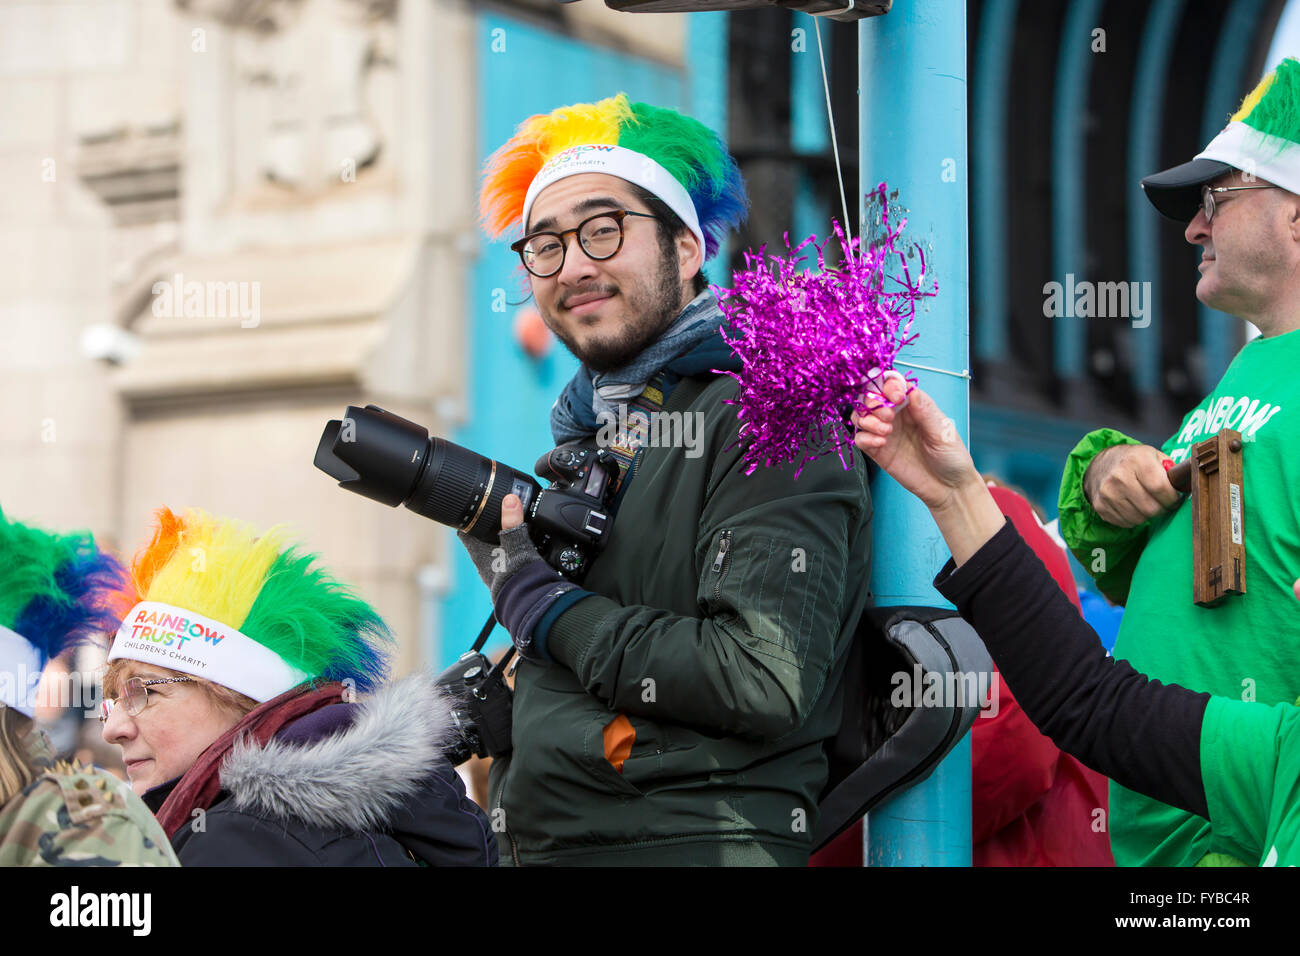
[576,295]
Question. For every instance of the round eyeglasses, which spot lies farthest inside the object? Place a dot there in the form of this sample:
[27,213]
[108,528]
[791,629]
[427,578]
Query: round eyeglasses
[1207,196]
[600,236]
[135,695]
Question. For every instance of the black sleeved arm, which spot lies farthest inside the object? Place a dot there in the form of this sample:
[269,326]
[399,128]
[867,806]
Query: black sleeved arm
[1141,733]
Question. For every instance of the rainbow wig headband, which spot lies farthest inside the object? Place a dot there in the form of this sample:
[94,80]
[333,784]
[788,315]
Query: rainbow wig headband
[55,592]
[212,598]
[1262,139]
[677,158]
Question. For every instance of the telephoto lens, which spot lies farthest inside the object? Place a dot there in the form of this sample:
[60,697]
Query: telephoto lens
[386,458]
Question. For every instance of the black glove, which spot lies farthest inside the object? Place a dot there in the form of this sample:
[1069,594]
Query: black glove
[523,585]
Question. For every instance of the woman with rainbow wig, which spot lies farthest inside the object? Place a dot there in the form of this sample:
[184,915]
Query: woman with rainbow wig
[246,689]
[53,595]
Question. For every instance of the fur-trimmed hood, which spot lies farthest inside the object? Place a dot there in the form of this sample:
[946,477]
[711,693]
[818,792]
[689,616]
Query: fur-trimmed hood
[357,777]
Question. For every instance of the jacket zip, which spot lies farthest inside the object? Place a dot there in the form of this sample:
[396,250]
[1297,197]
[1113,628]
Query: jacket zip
[514,849]
[719,563]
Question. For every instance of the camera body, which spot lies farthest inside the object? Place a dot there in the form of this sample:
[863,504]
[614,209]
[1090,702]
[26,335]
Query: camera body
[570,520]
[480,708]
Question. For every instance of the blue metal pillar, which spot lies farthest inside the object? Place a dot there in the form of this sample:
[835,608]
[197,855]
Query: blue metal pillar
[912,94]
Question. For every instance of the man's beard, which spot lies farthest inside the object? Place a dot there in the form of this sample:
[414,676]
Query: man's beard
[651,314]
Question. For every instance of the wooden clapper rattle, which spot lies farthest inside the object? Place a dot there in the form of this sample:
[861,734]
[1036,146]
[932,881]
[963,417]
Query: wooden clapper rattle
[1212,474]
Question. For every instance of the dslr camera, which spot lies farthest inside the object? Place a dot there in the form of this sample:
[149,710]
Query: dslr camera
[386,458]
[480,708]
[381,456]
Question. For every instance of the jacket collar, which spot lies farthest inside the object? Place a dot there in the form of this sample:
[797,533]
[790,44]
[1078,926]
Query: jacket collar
[350,770]
[155,796]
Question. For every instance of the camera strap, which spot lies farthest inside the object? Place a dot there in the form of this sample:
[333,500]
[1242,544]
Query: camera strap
[499,668]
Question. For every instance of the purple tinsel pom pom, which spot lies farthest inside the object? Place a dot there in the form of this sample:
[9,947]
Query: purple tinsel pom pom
[812,343]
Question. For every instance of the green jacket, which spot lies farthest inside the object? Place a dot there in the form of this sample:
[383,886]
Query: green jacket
[716,634]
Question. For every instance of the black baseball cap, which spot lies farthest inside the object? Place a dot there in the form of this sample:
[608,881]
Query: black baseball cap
[1176,192]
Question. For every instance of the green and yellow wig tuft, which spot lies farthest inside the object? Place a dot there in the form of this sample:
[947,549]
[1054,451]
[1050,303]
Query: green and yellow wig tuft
[259,584]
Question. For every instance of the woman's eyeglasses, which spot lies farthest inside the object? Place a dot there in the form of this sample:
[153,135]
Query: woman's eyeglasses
[135,695]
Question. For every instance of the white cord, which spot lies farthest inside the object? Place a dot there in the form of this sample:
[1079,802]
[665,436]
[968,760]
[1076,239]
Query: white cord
[831,13]
[835,146]
[964,373]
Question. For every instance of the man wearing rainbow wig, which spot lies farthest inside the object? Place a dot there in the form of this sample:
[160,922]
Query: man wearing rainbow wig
[1240,200]
[245,688]
[54,594]
[671,710]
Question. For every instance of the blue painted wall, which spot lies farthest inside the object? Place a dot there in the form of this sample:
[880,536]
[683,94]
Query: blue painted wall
[532,70]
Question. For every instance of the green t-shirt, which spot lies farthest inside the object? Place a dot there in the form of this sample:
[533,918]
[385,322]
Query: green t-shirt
[1250,764]
[1248,647]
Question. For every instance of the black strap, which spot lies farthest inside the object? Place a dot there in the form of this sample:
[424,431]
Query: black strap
[500,666]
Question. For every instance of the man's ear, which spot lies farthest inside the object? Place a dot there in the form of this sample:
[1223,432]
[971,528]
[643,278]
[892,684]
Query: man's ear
[1293,208]
[690,255]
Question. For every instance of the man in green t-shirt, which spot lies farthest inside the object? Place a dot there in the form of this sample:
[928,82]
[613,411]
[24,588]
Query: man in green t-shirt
[1119,514]
[1232,765]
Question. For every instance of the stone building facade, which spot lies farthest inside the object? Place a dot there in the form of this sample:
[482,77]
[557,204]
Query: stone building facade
[222,222]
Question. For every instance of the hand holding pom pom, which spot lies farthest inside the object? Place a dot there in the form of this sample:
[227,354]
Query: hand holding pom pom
[809,342]
[917,445]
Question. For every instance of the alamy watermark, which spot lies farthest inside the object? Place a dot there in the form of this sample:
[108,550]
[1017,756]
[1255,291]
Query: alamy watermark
[952,689]
[655,429]
[177,299]
[1098,300]
[53,688]
[75,908]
